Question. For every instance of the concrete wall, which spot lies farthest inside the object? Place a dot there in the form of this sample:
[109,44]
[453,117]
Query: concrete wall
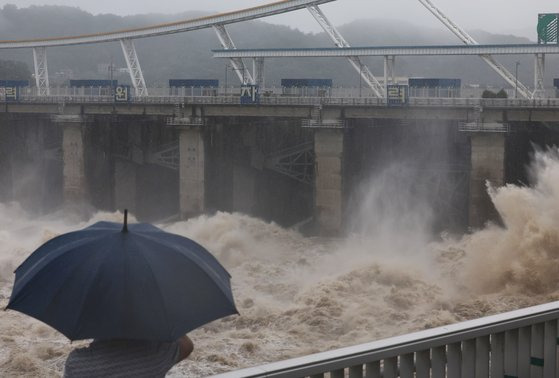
[127,162]
[125,186]
[244,189]
[239,173]
[99,162]
[142,153]
[28,175]
[219,165]
[223,166]
[6,156]
[73,159]
[26,166]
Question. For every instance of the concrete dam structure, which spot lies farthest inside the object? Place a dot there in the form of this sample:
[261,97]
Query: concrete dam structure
[292,164]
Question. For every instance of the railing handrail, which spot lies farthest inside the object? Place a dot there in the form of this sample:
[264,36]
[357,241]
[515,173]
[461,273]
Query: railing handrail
[394,346]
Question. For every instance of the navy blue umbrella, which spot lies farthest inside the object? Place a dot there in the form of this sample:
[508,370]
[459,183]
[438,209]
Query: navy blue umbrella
[110,281]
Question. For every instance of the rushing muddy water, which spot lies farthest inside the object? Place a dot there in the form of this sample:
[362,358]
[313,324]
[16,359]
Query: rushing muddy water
[300,295]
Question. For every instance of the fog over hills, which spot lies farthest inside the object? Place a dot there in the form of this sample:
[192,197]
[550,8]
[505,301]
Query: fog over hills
[188,55]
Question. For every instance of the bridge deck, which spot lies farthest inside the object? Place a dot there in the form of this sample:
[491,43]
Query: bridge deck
[452,109]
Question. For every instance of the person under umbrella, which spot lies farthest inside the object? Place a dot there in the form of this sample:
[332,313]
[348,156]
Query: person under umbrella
[126,358]
[136,290]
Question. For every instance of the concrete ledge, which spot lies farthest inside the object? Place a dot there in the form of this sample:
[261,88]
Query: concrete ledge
[257,111]
[333,111]
[67,118]
[32,108]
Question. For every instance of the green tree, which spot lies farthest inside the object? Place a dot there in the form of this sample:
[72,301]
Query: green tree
[501,94]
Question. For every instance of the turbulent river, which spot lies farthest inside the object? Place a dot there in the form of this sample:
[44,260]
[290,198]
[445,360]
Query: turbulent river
[299,295]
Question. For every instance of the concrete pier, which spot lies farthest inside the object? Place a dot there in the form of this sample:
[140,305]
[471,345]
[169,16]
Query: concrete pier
[487,165]
[278,169]
[329,152]
[74,185]
[191,171]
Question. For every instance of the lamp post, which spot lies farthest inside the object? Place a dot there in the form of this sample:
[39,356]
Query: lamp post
[226,83]
[516,80]
[111,75]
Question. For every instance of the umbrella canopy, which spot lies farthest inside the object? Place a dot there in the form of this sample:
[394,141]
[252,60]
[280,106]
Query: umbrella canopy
[113,282]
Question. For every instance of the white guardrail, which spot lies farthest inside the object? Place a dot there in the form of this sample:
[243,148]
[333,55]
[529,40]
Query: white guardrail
[522,343]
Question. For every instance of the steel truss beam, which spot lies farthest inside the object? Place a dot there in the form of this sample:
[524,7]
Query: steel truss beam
[258,71]
[389,66]
[167,156]
[134,68]
[468,40]
[340,42]
[41,70]
[237,63]
[539,72]
[296,162]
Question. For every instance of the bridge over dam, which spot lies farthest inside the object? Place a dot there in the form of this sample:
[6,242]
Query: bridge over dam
[289,159]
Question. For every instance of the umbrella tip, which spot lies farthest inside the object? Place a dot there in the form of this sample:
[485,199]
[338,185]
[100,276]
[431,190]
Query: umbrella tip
[125,226]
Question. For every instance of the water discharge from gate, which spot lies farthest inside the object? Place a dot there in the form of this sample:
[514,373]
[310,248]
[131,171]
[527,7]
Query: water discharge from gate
[300,295]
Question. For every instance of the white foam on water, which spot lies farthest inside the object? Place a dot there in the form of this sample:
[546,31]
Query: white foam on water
[522,257]
[300,295]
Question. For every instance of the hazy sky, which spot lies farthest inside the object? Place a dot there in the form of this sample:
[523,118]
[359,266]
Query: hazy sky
[506,16]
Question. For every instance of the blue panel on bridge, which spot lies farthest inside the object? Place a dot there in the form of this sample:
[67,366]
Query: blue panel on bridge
[196,83]
[306,83]
[556,83]
[14,83]
[250,94]
[434,83]
[93,83]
